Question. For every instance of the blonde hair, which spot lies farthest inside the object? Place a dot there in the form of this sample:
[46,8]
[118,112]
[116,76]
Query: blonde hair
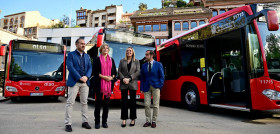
[103,47]
[133,54]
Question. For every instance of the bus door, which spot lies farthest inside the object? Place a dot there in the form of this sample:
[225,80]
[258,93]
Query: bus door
[226,75]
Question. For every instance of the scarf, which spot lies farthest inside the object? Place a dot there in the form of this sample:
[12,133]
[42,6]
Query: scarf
[106,67]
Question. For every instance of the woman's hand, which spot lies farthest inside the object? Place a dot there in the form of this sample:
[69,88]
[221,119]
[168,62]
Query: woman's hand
[126,81]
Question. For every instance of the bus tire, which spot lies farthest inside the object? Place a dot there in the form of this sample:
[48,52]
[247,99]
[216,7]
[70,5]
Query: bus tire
[14,99]
[190,97]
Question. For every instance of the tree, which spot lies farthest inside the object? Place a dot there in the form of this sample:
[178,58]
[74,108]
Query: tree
[142,6]
[0,11]
[181,3]
[66,21]
[61,24]
[273,47]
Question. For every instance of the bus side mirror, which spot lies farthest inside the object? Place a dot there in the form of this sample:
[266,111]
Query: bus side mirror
[100,38]
[2,50]
[272,20]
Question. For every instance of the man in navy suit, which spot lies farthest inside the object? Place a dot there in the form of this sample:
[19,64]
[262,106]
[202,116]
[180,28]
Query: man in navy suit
[152,79]
[80,68]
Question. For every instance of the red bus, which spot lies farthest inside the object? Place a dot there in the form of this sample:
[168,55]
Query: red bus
[119,40]
[34,68]
[232,62]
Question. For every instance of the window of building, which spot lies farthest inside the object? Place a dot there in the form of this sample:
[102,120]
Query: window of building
[185,26]
[11,21]
[82,37]
[103,24]
[96,25]
[67,42]
[16,21]
[22,19]
[193,24]
[177,26]
[81,15]
[140,28]
[30,31]
[201,22]
[163,27]
[222,11]
[148,28]
[49,39]
[96,18]
[158,41]
[5,22]
[156,27]
[103,17]
[214,13]
[111,21]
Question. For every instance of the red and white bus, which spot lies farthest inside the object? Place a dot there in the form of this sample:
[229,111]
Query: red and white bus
[232,62]
[119,40]
[34,68]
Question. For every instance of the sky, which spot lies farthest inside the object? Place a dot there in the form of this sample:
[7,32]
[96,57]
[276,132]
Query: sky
[55,9]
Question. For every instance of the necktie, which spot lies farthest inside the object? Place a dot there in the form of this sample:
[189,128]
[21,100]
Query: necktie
[150,66]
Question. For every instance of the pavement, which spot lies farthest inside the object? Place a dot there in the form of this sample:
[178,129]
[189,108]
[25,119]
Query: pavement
[45,116]
[2,98]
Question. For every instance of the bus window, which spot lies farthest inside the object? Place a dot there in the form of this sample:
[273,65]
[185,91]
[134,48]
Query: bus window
[171,62]
[191,54]
[255,60]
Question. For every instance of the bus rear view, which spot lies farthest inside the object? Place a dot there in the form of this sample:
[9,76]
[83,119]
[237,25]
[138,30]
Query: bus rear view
[34,69]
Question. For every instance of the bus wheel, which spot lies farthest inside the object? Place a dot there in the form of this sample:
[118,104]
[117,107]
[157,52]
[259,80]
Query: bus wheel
[190,97]
[14,99]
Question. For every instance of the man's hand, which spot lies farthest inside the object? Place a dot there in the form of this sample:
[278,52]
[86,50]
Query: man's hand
[84,79]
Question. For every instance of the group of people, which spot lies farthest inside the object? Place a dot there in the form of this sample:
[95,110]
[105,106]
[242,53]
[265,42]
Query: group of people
[103,70]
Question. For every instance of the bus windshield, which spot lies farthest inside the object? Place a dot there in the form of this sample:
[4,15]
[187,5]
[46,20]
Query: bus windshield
[271,45]
[39,66]
[118,51]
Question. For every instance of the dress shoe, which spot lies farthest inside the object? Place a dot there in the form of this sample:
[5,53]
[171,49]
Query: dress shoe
[68,128]
[132,124]
[105,125]
[123,125]
[154,125]
[86,125]
[97,126]
[147,124]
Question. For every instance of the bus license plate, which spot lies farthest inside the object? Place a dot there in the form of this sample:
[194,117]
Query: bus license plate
[36,94]
[137,97]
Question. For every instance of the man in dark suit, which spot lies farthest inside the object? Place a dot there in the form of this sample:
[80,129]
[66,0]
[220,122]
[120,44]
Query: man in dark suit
[80,68]
[152,79]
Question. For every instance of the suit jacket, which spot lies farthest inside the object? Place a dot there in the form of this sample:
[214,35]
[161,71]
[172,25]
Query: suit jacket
[73,65]
[154,78]
[133,74]
[97,70]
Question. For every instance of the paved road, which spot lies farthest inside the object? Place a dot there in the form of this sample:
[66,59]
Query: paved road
[43,116]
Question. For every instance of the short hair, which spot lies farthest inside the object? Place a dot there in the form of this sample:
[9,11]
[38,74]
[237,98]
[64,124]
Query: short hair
[151,52]
[102,47]
[133,56]
[77,41]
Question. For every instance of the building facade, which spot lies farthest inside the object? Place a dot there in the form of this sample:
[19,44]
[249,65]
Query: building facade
[66,36]
[109,17]
[26,23]
[169,22]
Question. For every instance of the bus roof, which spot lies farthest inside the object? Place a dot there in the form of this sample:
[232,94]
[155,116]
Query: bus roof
[217,18]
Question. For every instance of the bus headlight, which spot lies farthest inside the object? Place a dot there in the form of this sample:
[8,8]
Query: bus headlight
[61,88]
[271,94]
[11,89]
